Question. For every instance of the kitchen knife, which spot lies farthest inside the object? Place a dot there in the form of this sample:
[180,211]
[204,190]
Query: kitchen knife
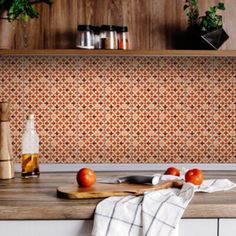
[134,179]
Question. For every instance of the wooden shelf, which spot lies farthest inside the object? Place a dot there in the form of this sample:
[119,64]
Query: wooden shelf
[228,53]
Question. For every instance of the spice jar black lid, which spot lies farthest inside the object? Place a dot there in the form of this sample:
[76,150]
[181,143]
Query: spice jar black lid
[121,28]
[84,28]
[96,29]
[107,27]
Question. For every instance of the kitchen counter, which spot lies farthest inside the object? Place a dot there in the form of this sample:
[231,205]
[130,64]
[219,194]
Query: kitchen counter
[24,199]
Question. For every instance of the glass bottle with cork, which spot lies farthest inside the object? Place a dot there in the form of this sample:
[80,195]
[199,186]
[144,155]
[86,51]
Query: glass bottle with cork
[30,150]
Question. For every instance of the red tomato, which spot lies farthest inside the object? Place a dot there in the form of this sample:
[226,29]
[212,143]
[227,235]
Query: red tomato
[194,176]
[86,177]
[172,171]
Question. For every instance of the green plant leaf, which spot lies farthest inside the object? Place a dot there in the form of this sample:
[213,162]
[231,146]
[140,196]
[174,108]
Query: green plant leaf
[207,23]
[31,12]
[22,9]
[192,12]
[212,9]
[194,2]
[24,17]
[221,6]
[185,7]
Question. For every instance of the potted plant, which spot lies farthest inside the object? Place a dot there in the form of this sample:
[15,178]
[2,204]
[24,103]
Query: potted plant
[205,32]
[12,10]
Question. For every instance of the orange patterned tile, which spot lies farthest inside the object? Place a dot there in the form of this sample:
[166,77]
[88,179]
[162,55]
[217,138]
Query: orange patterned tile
[145,122]
[91,149]
[90,122]
[224,149]
[91,96]
[118,123]
[118,96]
[63,148]
[108,109]
[146,148]
[118,149]
[145,96]
[145,70]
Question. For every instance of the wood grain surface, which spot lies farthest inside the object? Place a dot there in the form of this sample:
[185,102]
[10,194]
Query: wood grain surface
[179,53]
[36,198]
[6,163]
[4,111]
[5,143]
[153,24]
[100,190]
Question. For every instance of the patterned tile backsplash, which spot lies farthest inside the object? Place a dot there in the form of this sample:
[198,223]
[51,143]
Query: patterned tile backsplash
[112,109]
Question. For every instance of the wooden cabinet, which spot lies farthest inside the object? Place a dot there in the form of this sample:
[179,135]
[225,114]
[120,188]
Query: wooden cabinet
[153,24]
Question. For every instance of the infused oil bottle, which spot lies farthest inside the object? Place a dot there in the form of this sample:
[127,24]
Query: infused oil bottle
[30,150]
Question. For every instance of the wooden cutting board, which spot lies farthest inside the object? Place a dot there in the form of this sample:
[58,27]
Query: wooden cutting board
[100,190]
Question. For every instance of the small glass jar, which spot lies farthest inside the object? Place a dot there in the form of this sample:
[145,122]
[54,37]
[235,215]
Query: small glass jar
[96,30]
[85,37]
[122,36]
[108,37]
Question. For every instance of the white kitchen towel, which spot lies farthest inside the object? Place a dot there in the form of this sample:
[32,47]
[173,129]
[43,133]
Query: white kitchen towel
[156,213]
[214,185]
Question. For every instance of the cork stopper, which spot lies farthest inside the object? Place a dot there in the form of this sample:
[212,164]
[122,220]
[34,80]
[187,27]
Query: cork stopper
[4,111]
[30,117]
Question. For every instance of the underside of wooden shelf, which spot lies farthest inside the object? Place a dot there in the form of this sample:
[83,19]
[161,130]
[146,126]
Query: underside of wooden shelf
[77,52]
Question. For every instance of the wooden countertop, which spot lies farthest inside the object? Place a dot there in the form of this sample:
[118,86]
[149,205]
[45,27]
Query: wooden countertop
[36,198]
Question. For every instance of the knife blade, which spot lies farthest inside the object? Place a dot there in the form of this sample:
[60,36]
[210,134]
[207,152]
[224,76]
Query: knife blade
[135,179]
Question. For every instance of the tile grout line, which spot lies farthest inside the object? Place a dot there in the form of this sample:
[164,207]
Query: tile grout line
[132,108]
[77,107]
[105,122]
[158,107]
[214,113]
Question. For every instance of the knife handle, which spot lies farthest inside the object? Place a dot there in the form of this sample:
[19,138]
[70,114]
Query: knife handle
[138,179]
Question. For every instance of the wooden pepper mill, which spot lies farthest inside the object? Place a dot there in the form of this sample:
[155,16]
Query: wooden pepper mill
[6,162]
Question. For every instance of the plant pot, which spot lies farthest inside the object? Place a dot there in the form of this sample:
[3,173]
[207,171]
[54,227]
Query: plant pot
[212,40]
[215,39]
[6,32]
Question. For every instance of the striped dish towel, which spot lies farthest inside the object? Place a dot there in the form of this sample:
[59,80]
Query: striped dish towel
[156,213]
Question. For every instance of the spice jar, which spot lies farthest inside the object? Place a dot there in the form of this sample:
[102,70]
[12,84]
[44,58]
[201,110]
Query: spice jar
[96,30]
[122,35]
[85,37]
[108,37]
